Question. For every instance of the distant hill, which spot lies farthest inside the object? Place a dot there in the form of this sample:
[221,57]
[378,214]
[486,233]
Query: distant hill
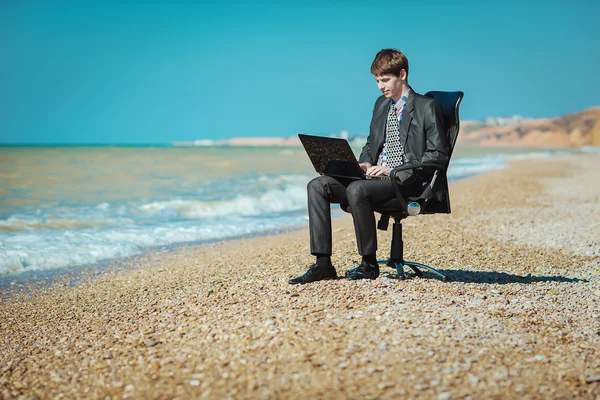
[572,130]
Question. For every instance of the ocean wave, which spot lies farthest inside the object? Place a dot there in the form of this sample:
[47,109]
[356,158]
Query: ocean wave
[43,250]
[468,166]
[590,149]
[292,198]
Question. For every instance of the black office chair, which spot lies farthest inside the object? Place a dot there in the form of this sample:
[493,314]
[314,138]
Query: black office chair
[400,208]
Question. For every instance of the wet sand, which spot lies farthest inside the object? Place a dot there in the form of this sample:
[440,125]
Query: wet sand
[520,317]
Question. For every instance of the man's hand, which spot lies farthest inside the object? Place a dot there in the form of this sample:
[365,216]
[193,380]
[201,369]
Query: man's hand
[365,166]
[378,170]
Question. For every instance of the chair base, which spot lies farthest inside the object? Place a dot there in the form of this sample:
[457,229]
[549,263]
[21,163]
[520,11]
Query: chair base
[400,264]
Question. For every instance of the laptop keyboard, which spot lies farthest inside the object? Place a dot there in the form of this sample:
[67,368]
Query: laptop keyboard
[375,177]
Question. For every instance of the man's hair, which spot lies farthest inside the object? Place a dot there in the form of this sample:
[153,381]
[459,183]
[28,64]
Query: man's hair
[389,61]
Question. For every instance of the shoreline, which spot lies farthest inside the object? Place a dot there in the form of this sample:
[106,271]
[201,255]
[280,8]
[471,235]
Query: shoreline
[25,283]
[32,259]
[518,319]
[46,278]
[36,280]
[47,274]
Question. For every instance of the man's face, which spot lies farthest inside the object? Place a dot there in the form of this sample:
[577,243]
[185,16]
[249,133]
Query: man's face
[390,85]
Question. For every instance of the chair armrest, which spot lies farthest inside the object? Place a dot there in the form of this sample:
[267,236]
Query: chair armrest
[411,166]
[406,167]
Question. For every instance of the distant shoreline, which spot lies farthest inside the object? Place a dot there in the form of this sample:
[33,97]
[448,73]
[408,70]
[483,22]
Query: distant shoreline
[573,130]
[248,146]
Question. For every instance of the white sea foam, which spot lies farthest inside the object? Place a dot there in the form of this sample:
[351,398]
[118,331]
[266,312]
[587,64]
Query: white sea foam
[591,149]
[48,249]
[292,198]
[469,166]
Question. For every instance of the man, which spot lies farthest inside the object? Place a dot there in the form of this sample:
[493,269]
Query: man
[405,128]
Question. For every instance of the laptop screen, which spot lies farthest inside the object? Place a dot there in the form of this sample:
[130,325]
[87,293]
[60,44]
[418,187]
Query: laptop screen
[331,156]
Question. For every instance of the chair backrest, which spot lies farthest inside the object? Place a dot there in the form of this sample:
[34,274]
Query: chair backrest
[450,102]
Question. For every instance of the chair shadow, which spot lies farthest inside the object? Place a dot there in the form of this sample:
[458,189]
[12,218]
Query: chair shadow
[501,278]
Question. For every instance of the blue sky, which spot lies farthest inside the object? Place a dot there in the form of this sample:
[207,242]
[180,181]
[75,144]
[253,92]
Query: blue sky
[158,72]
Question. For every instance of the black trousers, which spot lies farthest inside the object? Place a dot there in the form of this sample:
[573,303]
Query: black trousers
[360,195]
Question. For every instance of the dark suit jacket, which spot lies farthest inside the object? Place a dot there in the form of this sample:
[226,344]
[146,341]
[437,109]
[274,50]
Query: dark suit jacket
[422,133]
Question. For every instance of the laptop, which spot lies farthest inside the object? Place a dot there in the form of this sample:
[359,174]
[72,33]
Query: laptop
[334,157]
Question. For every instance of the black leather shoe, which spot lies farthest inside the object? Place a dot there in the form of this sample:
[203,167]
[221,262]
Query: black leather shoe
[363,271]
[315,273]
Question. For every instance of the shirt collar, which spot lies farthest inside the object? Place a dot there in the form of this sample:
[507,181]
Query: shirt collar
[400,103]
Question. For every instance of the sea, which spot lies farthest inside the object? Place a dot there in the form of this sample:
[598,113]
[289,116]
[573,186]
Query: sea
[71,206]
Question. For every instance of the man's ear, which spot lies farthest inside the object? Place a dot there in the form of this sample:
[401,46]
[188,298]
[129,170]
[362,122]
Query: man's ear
[403,74]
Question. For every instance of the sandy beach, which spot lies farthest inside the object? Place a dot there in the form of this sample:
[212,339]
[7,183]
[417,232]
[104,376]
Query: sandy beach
[519,318]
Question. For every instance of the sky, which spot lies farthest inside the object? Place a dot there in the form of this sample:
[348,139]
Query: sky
[155,72]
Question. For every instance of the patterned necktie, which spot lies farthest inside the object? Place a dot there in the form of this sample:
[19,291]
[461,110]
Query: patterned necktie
[393,155]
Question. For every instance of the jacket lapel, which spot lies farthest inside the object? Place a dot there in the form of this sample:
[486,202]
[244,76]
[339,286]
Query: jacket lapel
[407,117]
[380,120]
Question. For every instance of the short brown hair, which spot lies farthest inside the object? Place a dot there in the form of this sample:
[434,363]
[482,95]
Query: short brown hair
[389,61]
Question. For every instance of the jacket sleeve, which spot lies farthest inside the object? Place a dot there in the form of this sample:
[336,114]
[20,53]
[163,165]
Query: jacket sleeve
[436,143]
[366,154]
[437,146]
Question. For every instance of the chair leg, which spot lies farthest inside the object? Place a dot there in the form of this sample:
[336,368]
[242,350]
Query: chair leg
[398,265]
[416,265]
[399,270]
[397,261]
[418,272]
